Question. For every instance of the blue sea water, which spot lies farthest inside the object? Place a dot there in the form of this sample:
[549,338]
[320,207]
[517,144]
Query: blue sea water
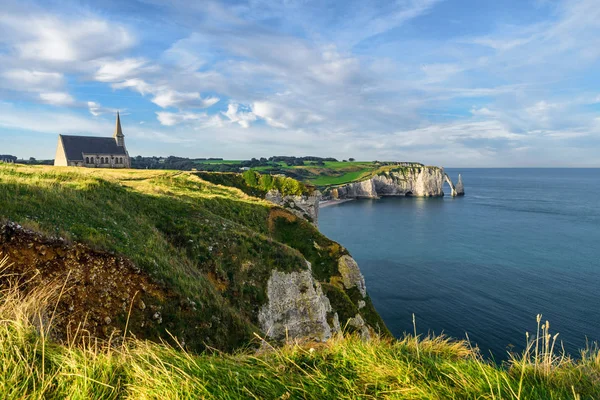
[521,242]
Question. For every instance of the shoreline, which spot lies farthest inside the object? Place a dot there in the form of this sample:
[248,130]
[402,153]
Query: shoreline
[328,203]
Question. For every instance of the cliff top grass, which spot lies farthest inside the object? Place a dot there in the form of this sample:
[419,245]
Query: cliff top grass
[256,184]
[344,368]
[335,173]
[207,244]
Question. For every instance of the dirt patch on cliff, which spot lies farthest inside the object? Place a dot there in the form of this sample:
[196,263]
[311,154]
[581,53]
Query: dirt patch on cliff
[101,291]
[275,213]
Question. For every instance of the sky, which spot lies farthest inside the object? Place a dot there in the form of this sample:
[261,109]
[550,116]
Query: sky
[456,83]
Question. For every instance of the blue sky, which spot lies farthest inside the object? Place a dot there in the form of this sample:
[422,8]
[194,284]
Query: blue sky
[457,83]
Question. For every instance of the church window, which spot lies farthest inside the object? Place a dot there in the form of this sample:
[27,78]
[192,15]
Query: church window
[87,160]
[101,160]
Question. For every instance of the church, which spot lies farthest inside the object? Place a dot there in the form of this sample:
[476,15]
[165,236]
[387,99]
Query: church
[93,152]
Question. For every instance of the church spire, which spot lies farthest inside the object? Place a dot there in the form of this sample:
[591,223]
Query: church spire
[118,131]
[119,137]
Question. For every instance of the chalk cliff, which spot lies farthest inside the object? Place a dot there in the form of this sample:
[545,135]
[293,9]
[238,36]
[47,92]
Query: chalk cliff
[297,308]
[421,181]
[304,206]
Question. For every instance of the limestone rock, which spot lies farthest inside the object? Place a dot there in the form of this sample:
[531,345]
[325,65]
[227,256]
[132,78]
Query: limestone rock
[460,189]
[415,181]
[360,325]
[306,207]
[297,307]
[363,189]
[351,275]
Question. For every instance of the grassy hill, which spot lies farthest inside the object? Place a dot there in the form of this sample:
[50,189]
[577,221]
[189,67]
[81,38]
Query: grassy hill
[163,268]
[208,249]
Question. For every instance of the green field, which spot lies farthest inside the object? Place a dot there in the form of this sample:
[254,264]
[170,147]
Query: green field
[331,173]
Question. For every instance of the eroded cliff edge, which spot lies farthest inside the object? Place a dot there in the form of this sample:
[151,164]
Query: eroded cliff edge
[202,262]
[418,180]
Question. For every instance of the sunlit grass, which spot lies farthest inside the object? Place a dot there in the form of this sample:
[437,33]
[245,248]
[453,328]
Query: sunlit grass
[430,367]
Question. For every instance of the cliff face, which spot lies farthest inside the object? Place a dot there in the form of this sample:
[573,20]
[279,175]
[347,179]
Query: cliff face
[297,308]
[402,181]
[304,206]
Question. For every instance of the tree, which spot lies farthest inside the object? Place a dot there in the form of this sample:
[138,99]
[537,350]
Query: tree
[351,159]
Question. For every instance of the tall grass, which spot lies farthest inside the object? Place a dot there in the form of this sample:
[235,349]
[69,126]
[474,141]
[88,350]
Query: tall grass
[415,367]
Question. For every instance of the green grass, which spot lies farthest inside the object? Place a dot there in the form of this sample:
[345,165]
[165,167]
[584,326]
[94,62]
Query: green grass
[339,180]
[180,230]
[31,366]
[334,173]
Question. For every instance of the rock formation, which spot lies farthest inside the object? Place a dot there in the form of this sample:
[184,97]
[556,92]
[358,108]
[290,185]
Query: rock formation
[459,189]
[351,275]
[297,308]
[402,181]
[305,206]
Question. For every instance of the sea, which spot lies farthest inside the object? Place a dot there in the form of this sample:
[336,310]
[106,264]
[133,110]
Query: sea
[521,242]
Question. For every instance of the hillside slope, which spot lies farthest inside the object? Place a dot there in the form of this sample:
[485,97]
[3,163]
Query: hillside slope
[167,253]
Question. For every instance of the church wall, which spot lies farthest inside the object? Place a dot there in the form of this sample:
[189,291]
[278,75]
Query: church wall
[60,159]
[112,161]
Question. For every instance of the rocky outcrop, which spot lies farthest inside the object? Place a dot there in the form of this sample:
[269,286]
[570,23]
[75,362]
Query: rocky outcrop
[297,308]
[363,189]
[361,327]
[459,189]
[305,206]
[351,275]
[419,181]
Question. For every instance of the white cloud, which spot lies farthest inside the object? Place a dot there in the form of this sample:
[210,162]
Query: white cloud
[199,119]
[280,116]
[30,80]
[118,70]
[52,39]
[171,98]
[138,85]
[242,118]
[96,109]
[57,98]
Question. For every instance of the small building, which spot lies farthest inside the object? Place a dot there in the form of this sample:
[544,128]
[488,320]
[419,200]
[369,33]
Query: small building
[7,158]
[93,152]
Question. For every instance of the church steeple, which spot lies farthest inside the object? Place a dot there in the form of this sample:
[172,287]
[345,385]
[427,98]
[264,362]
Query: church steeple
[119,137]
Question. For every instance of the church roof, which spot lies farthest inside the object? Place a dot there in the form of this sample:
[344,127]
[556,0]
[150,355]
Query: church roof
[76,146]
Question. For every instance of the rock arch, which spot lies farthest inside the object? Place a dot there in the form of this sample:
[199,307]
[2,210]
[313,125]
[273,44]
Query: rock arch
[458,189]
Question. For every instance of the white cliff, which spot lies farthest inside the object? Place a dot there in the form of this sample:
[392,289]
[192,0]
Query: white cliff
[297,308]
[421,181]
